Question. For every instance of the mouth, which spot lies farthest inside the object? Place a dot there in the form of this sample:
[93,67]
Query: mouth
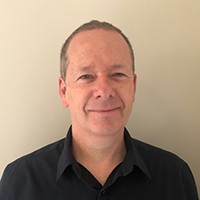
[104,111]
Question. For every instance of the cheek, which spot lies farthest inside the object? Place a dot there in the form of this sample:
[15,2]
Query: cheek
[131,92]
[128,93]
[77,98]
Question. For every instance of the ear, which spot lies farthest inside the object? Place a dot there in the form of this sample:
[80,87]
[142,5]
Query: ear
[63,92]
[134,86]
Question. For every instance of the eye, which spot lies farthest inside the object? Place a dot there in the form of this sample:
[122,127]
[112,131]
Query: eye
[86,77]
[119,75]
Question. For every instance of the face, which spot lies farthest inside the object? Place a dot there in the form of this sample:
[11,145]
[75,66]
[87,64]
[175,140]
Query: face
[99,89]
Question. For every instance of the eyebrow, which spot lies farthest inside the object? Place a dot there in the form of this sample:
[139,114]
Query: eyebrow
[116,66]
[86,68]
[112,67]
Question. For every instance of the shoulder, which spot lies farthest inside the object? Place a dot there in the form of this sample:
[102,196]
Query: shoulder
[168,168]
[47,154]
[156,157]
[30,170]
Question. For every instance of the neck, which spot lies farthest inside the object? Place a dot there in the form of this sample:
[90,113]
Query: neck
[99,154]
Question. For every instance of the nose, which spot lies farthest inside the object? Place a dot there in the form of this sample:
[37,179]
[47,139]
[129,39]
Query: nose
[104,88]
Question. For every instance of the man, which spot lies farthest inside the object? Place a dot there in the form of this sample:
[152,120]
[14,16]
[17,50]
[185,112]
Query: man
[98,159]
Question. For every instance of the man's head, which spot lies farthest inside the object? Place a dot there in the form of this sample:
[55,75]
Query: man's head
[99,87]
[85,27]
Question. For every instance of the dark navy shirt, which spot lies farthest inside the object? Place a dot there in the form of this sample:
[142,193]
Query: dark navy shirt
[52,173]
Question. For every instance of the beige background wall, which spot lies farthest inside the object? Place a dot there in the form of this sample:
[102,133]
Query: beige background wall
[166,38]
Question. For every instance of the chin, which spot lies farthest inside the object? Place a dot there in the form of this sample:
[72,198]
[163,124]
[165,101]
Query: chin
[106,129]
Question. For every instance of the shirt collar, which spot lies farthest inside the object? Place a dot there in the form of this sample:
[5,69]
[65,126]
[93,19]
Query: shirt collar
[133,157]
[66,157]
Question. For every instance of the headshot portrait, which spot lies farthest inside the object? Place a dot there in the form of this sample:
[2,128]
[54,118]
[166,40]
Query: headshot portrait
[99,106]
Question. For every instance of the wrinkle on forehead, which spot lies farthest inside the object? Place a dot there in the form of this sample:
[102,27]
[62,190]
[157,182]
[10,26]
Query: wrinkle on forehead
[92,67]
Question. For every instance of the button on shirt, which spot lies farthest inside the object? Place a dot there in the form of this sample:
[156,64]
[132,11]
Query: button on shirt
[52,173]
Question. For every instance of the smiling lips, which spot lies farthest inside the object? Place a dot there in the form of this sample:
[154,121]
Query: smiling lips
[103,110]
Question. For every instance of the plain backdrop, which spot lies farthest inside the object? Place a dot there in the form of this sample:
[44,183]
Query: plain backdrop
[166,39]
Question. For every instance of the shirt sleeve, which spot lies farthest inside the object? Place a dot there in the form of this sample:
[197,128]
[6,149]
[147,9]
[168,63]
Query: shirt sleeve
[189,183]
[5,192]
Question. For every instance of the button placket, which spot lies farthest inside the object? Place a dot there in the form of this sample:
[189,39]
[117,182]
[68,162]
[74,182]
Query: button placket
[103,192]
[102,195]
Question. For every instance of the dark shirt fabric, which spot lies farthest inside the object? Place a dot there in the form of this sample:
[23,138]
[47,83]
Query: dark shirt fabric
[52,173]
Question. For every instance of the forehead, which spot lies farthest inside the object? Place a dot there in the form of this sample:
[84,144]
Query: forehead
[99,44]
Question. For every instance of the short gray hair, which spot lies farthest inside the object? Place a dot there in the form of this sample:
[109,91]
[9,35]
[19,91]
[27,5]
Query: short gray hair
[92,25]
